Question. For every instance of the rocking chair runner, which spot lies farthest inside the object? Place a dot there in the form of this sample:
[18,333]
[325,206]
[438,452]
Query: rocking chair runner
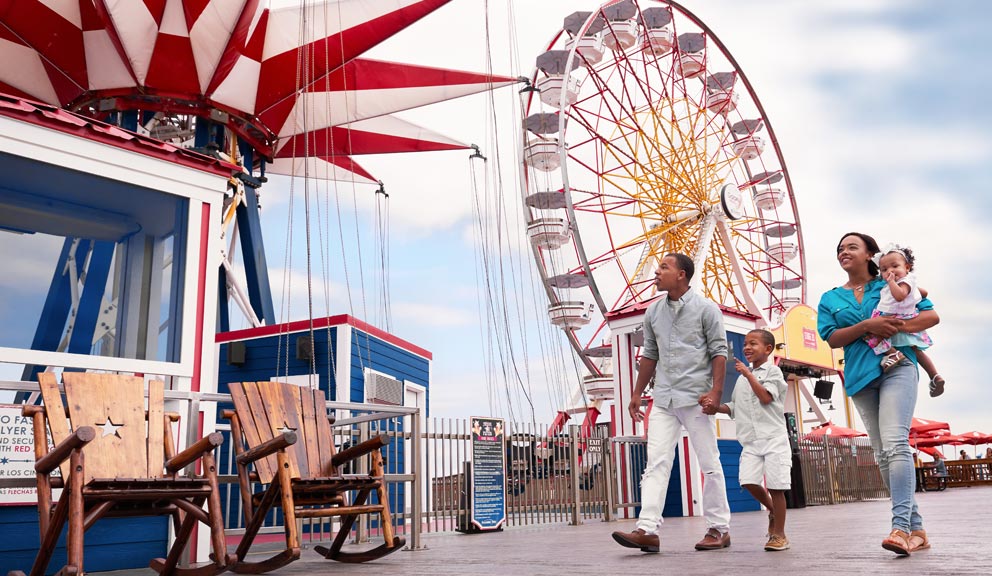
[121,462]
[283,432]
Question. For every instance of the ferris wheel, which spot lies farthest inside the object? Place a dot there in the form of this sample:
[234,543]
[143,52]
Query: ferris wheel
[642,136]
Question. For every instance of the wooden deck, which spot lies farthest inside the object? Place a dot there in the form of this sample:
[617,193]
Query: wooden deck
[829,540]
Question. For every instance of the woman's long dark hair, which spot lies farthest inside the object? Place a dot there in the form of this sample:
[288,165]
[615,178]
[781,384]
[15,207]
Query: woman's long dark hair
[870,244]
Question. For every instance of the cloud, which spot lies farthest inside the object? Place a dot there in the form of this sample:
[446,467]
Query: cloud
[434,315]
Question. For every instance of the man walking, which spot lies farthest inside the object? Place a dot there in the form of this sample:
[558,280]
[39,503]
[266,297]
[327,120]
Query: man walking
[685,350]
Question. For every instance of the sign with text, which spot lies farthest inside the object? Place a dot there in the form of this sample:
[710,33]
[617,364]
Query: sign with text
[488,473]
[16,454]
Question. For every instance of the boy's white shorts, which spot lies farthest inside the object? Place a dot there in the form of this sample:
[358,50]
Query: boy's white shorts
[769,459]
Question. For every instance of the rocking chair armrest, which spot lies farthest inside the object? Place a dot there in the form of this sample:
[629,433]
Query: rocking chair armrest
[268,447]
[227,414]
[31,409]
[81,437]
[359,450]
[194,452]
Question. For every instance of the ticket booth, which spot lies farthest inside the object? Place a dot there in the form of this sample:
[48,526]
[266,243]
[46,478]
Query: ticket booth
[111,245]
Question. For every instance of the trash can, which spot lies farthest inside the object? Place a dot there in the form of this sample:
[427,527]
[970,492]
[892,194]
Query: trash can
[796,496]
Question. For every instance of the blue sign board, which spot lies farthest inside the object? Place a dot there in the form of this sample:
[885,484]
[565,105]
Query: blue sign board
[488,473]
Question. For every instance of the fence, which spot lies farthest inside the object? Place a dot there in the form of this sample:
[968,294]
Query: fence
[839,470]
[559,478]
[969,472]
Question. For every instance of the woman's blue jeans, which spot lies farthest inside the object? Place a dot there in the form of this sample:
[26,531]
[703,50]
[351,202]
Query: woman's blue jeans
[886,407]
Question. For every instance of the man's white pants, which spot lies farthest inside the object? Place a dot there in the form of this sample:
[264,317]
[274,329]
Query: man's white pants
[664,431]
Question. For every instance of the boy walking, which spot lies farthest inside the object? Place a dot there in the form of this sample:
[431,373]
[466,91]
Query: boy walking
[757,407]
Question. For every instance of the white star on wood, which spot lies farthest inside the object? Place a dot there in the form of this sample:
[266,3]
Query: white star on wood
[111,429]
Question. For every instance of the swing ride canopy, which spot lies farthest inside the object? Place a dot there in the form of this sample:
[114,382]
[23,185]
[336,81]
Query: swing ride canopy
[288,80]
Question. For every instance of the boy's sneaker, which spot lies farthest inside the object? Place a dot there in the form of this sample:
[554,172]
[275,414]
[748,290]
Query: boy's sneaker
[777,543]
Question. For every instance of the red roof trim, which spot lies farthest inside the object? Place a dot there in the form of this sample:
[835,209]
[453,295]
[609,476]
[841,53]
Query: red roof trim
[68,122]
[321,323]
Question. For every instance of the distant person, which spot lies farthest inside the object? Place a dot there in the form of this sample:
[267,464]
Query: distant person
[899,297]
[988,453]
[885,400]
[964,455]
[685,331]
[758,410]
[938,465]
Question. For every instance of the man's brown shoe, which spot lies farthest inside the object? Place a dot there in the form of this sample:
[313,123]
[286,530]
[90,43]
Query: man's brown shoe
[638,539]
[714,540]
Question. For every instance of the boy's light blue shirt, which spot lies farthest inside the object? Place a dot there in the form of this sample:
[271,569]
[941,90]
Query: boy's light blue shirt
[754,420]
[839,309]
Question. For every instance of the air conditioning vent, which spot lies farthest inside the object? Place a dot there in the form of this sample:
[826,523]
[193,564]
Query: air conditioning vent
[382,389]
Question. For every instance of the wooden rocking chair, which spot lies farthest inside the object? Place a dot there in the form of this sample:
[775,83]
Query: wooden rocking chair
[284,433]
[118,459]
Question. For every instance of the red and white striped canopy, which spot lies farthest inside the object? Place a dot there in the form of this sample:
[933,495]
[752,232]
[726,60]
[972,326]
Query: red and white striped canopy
[289,80]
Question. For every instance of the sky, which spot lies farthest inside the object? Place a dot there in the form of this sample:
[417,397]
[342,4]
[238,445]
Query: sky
[879,108]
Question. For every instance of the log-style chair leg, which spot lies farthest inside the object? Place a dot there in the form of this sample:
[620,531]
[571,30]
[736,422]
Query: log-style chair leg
[288,506]
[252,528]
[74,539]
[347,522]
[51,536]
[384,517]
[214,514]
[168,567]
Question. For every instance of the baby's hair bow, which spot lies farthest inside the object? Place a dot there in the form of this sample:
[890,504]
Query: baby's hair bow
[889,248]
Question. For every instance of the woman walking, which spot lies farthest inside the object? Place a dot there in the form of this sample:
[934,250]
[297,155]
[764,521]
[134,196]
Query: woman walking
[885,400]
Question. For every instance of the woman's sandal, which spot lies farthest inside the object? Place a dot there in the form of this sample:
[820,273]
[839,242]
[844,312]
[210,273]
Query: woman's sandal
[936,385]
[918,540]
[898,542]
[891,359]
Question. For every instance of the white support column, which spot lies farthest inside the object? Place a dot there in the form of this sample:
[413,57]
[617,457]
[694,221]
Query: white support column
[703,242]
[342,366]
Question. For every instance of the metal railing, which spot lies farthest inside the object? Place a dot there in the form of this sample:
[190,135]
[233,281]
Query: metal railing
[840,470]
[549,479]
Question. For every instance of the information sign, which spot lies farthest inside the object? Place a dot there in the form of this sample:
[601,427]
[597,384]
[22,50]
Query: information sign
[488,473]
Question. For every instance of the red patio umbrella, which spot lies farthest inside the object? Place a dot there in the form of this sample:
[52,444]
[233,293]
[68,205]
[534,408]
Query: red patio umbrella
[834,431]
[946,439]
[921,426]
[975,438]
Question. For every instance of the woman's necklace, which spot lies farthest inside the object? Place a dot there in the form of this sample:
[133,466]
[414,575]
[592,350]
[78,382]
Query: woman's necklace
[855,289]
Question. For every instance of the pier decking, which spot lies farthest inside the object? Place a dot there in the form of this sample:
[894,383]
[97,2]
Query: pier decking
[829,540]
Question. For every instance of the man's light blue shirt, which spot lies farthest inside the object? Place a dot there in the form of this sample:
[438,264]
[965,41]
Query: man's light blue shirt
[684,336]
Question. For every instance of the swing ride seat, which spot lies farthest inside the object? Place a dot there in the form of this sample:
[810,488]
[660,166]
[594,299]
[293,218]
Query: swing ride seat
[129,468]
[282,439]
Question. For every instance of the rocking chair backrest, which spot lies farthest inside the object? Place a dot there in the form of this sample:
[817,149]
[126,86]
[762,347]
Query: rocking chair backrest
[125,445]
[266,410]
